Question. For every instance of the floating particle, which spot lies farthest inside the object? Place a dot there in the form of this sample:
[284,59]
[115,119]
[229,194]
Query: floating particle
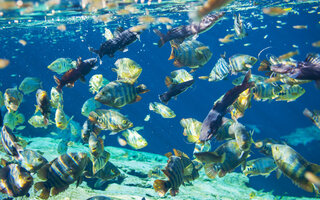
[13,75]
[278,27]
[62,27]
[311,11]
[300,27]
[23,42]
[4,63]
[156,44]
[279,22]
[164,20]
[247,44]
[265,37]
[147,118]
[316,44]
[254,28]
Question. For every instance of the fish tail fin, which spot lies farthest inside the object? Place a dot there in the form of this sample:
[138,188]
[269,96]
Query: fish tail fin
[45,191]
[163,98]
[142,89]
[307,113]
[161,187]
[161,41]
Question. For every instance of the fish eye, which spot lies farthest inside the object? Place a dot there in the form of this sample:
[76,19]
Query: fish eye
[124,121]
[40,159]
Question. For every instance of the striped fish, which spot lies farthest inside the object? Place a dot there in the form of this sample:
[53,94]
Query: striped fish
[60,173]
[219,72]
[261,166]
[161,109]
[86,130]
[297,168]
[110,120]
[43,104]
[128,71]
[192,128]
[118,94]
[241,63]
[255,78]
[265,91]
[9,142]
[242,136]
[314,116]
[239,27]
[178,76]
[264,145]
[241,105]
[234,156]
[290,93]
[190,53]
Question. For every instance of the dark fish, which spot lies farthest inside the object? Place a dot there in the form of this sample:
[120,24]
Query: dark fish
[214,120]
[118,94]
[210,157]
[43,104]
[86,130]
[9,142]
[182,32]
[15,181]
[1,119]
[70,77]
[60,173]
[175,90]
[305,70]
[122,38]
[109,171]
[99,198]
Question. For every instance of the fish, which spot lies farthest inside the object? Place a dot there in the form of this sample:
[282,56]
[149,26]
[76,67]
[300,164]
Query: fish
[207,7]
[241,63]
[285,79]
[265,145]
[62,147]
[201,147]
[86,130]
[223,131]
[234,157]
[288,55]
[161,109]
[174,90]
[96,82]
[191,129]
[147,118]
[122,38]
[238,26]
[156,172]
[38,121]
[12,99]
[265,91]
[128,71]
[290,93]
[178,170]
[13,119]
[213,120]
[242,136]
[15,181]
[30,84]
[226,38]
[316,44]
[261,166]
[300,27]
[178,76]
[43,104]
[191,53]
[295,167]
[134,139]
[62,65]
[219,72]
[61,119]
[118,94]
[99,198]
[4,63]
[314,116]
[71,76]
[31,160]
[110,120]
[98,155]
[275,11]
[109,171]
[241,105]
[75,128]
[303,70]
[56,97]
[9,142]
[180,33]
[89,105]
[210,157]
[60,173]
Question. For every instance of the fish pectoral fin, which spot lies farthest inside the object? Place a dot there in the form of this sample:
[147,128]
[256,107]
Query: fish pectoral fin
[138,98]
[82,79]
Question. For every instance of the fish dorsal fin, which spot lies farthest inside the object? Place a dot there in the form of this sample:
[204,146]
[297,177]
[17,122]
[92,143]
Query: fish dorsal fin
[168,155]
[313,58]
[168,81]
[180,153]
[118,31]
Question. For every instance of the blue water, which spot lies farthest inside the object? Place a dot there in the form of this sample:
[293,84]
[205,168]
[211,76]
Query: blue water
[274,119]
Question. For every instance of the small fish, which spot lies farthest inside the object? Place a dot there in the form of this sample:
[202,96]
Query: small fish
[98,155]
[300,27]
[265,91]
[4,63]
[274,11]
[301,172]
[191,129]
[60,173]
[161,109]
[89,105]
[147,118]
[191,53]
[156,172]
[60,118]
[214,119]
[239,27]
[96,82]
[75,128]
[12,99]
[165,20]
[288,55]
[118,94]
[62,65]
[31,160]
[290,93]
[62,147]
[127,70]
[13,119]
[206,8]
[174,90]
[223,132]
[201,147]
[30,84]
[314,116]
[71,76]
[122,38]
[56,97]
[146,19]
[86,130]
[134,139]
[179,34]
[109,171]
[9,142]
[241,63]
[261,166]
[110,120]
[43,104]
[38,121]
[226,38]
[219,72]
[108,34]
[15,181]
[316,44]
[178,76]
